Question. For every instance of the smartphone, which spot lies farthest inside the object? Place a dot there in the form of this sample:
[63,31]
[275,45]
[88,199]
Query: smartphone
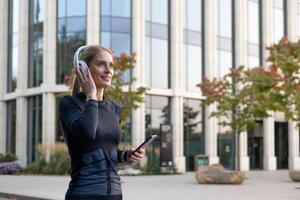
[145,143]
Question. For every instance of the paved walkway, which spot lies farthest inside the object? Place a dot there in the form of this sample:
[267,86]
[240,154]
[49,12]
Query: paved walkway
[259,185]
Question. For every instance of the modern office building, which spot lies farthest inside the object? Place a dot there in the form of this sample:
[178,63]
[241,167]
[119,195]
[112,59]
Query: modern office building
[177,42]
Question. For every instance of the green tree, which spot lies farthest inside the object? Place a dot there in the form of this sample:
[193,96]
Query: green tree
[241,97]
[285,60]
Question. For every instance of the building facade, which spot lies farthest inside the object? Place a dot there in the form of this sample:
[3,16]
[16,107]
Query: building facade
[177,43]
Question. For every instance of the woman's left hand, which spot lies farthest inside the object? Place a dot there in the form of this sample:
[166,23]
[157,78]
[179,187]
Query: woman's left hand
[135,157]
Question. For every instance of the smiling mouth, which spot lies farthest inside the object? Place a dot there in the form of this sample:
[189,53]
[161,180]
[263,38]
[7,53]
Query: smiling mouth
[107,78]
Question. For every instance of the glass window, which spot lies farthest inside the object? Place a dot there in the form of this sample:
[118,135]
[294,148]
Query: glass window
[105,39]
[278,20]
[225,36]
[253,33]
[11,127]
[193,131]
[13,46]
[194,68]
[225,62]
[121,25]
[225,18]
[115,25]
[36,29]
[105,7]
[157,112]
[159,11]
[253,61]
[194,11]
[77,8]
[121,8]
[148,61]
[120,43]
[184,65]
[253,22]
[34,127]
[71,34]
[192,51]
[157,53]
[298,14]
[61,8]
[159,63]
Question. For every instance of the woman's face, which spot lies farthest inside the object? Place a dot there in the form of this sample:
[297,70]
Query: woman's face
[102,70]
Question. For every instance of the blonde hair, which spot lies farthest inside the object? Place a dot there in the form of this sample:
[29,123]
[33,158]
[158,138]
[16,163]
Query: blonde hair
[88,54]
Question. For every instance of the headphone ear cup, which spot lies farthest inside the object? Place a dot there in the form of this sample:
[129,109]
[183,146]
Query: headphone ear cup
[82,64]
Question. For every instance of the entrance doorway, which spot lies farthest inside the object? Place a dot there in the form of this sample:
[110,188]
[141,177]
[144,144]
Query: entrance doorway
[255,147]
[281,144]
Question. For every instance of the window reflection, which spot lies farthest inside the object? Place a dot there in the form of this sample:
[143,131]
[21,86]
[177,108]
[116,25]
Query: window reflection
[192,51]
[156,41]
[298,17]
[225,18]
[36,29]
[159,11]
[253,42]
[71,34]
[193,131]
[159,70]
[13,46]
[34,127]
[225,62]
[194,68]
[157,112]
[278,20]
[11,127]
[115,23]
[224,36]
[121,8]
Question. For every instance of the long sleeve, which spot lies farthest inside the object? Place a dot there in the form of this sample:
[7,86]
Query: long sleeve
[81,124]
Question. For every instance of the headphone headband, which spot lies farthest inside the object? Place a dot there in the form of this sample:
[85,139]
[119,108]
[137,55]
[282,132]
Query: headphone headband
[76,59]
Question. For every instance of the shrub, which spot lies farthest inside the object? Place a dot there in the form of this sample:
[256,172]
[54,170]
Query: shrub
[7,158]
[59,162]
[10,167]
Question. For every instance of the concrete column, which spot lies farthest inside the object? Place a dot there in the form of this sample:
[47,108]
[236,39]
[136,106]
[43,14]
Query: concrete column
[294,159]
[48,121]
[292,29]
[3,69]
[176,100]
[49,60]
[21,130]
[48,105]
[210,53]
[292,19]
[93,22]
[240,59]
[270,161]
[138,46]
[268,123]
[22,79]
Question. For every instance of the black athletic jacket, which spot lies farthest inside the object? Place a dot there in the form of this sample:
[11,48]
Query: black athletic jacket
[92,132]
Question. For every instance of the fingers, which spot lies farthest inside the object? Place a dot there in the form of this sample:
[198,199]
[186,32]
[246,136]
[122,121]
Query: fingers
[137,156]
[79,76]
[83,74]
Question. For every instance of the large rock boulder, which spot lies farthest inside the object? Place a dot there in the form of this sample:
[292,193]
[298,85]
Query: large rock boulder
[295,175]
[216,174]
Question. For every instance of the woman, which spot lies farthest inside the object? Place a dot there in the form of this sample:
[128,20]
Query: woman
[91,125]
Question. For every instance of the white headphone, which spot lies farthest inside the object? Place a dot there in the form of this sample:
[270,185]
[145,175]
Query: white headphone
[76,60]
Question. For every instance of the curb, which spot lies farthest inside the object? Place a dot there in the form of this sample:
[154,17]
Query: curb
[20,197]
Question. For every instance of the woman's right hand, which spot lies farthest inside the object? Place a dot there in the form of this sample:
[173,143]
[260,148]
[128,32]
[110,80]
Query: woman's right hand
[86,82]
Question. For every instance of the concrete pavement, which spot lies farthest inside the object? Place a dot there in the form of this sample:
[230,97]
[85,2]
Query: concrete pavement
[259,185]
